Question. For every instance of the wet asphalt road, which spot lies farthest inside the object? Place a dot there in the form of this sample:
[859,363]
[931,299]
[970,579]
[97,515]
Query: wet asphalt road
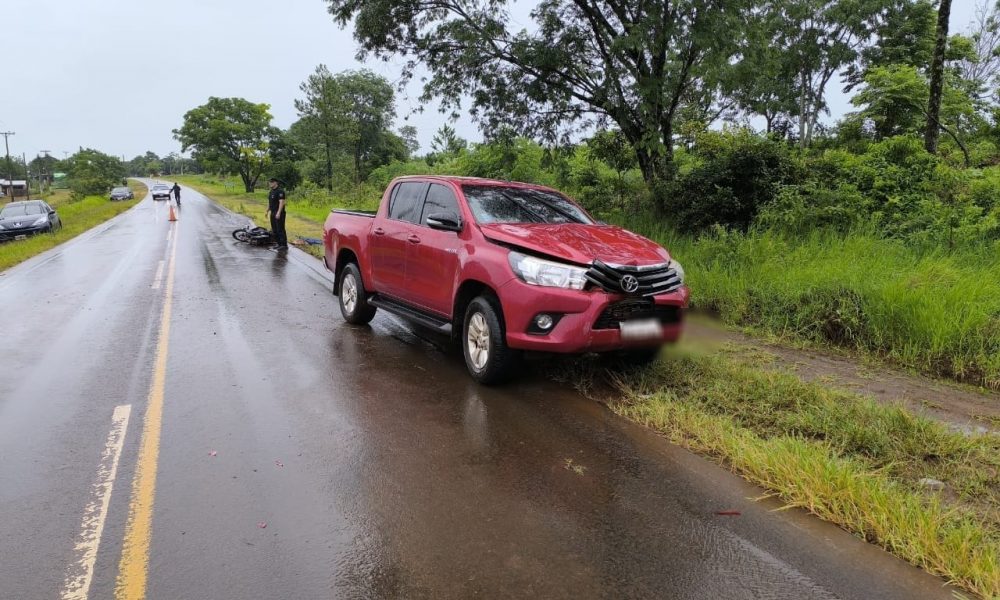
[303,458]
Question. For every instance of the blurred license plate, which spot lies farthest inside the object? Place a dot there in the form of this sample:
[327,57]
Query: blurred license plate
[20,237]
[641,330]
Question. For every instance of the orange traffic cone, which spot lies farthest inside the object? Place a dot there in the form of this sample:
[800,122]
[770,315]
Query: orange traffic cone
[173,216]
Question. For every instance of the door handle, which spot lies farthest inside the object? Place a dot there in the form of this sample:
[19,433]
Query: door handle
[413,239]
[379,231]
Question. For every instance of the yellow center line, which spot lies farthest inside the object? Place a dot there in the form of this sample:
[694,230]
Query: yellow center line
[134,566]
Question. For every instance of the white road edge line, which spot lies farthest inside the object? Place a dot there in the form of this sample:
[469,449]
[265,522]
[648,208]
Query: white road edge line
[76,586]
[159,276]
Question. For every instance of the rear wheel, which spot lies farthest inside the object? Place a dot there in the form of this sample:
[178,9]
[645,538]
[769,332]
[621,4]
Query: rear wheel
[484,342]
[353,297]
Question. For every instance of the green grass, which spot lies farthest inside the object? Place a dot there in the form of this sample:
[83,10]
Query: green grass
[77,217]
[937,311]
[306,214]
[845,458]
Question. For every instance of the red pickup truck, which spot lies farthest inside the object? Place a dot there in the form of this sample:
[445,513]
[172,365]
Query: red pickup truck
[504,268]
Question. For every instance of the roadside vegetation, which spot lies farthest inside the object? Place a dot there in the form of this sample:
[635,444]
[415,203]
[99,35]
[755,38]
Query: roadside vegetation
[922,491]
[77,214]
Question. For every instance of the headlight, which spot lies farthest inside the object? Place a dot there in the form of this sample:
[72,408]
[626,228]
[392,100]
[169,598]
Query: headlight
[40,221]
[536,271]
[678,268]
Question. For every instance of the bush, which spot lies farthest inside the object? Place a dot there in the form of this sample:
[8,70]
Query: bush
[736,175]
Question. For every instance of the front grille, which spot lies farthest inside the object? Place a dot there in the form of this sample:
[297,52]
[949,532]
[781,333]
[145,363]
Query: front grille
[627,310]
[651,280]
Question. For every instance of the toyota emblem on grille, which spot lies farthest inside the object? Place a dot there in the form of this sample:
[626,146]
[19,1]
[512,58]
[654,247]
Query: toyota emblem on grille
[630,284]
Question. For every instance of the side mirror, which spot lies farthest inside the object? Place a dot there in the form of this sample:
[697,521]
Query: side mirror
[444,221]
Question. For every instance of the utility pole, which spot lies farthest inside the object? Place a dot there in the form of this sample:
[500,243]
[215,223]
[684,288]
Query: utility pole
[10,170]
[46,180]
[27,177]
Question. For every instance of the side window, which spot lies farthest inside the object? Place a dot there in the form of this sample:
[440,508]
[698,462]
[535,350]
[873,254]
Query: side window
[408,202]
[440,199]
[392,197]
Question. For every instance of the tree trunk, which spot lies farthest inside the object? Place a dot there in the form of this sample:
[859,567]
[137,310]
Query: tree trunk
[657,171]
[803,110]
[329,168]
[937,79]
[357,162]
[247,182]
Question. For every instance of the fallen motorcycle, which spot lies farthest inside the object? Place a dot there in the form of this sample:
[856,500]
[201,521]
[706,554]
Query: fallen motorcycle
[256,236]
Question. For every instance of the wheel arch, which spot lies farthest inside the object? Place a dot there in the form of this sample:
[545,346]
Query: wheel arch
[467,291]
[345,257]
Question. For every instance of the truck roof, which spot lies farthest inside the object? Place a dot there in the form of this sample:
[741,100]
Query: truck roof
[460,180]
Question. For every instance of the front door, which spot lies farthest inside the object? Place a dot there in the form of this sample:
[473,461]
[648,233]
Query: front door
[432,255]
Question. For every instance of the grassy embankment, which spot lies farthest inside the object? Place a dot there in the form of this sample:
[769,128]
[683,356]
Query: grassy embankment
[845,458]
[77,217]
[305,216]
[937,311]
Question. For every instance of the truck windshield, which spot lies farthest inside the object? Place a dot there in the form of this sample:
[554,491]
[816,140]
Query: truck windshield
[498,204]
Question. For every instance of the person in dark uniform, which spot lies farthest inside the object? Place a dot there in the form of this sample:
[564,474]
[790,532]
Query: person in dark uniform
[276,209]
[177,193]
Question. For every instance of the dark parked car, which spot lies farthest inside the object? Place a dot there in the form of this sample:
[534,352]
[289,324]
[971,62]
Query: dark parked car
[160,191]
[122,193]
[21,219]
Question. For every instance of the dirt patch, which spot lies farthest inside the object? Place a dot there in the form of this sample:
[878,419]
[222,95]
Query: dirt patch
[964,407]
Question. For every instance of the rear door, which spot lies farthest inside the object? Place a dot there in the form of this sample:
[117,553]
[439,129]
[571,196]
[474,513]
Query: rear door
[389,238]
[432,255]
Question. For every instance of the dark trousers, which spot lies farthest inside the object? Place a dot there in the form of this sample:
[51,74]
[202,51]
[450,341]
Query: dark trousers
[278,227]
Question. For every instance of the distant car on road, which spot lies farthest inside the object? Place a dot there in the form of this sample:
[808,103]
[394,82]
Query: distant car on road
[122,193]
[18,220]
[160,191]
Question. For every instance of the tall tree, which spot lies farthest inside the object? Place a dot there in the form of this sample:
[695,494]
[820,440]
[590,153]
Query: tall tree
[587,61]
[937,78]
[322,114]
[408,133]
[818,39]
[350,111]
[229,134]
[901,35]
[982,69]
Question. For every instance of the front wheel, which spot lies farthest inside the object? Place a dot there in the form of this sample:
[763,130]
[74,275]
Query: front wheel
[241,235]
[353,297]
[484,343]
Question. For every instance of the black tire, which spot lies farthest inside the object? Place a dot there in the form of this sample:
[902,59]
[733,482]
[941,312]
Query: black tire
[241,235]
[353,298]
[487,357]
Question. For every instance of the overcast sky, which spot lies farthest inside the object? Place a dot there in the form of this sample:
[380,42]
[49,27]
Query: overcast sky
[118,75]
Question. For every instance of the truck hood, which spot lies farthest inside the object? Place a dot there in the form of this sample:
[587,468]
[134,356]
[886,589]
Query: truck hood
[579,243]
